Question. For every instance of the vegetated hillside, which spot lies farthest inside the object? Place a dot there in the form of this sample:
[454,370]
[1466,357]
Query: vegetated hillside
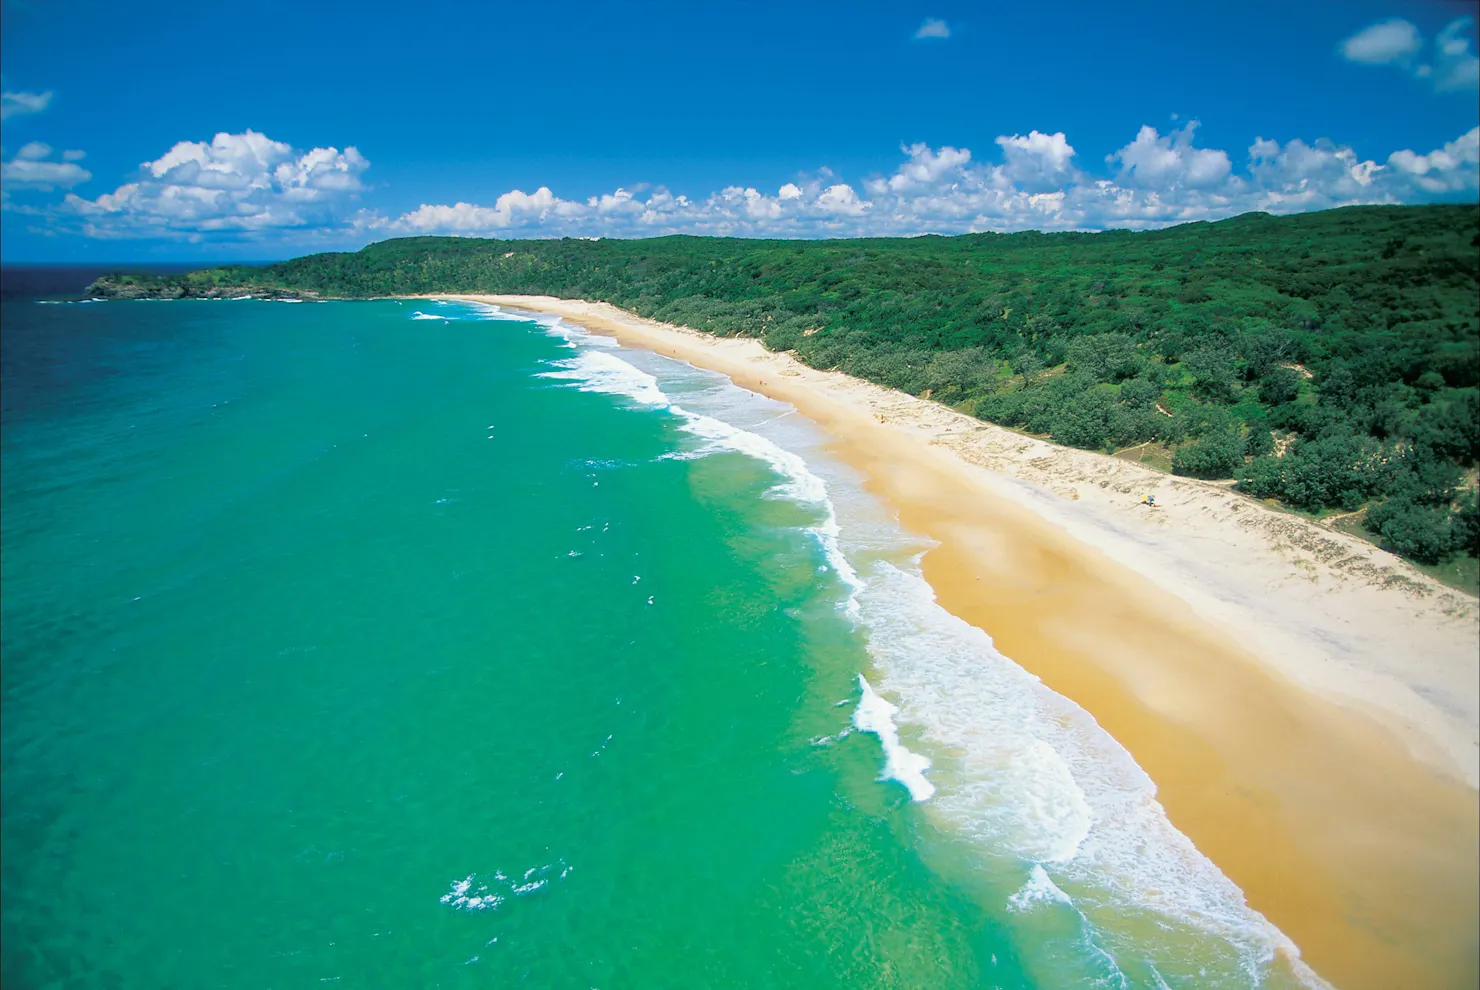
[1329,360]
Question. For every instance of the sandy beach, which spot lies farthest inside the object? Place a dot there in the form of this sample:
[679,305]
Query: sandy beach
[1308,705]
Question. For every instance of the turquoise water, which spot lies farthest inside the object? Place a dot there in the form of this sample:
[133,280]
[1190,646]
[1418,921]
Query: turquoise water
[395,644]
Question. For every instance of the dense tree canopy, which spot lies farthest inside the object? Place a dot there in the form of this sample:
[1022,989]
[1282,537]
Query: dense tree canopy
[1325,359]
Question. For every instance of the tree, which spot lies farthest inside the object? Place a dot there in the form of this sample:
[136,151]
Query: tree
[1212,370]
[966,372]
[1131,425]
[1412,530]
[1140,392]
[1466,523]
[1338,385]
[1105,357]
[1259,440]
[1084,420]
[1263,477]
[1264,347]
[1026,363]
[1422,476]
[1451,425]
[1279,384]
[1215,455]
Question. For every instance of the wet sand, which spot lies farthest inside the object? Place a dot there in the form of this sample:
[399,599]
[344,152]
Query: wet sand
[1348,821]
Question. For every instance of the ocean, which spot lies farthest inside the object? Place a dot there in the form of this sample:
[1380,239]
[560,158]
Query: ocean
[412,644]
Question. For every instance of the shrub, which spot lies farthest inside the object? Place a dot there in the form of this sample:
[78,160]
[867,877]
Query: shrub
[1212,371]
[1263,477]
[1279,385]
[1084,421]
[1215,455]
[1412,530]
[1466,523]
[1105,357]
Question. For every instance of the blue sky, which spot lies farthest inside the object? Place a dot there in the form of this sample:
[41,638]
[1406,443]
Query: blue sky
[343,123]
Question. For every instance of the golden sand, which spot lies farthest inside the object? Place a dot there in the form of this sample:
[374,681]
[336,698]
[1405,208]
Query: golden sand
[1367,860]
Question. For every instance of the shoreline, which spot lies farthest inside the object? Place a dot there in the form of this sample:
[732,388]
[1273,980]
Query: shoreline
[1305,703]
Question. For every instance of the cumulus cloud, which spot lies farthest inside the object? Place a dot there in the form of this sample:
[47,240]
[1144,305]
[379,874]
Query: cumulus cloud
[925,167]
[1157,180]
[238,184]
[933,27]
[1452,168]
[1155,162]
[13,103]
[1383,43]
[840,200]
[1037,159]
[1451,66]
[32,168]
[511,209]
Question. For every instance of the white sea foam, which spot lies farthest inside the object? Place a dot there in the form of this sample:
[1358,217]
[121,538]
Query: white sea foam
[476,892]
[569,334]
[1011,785]
[603,371]
[800,485]
[1031,774]
[488,311]
[1038,889]
[876,715]
[600,371]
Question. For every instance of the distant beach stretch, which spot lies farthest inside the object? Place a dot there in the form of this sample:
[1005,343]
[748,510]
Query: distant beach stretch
[1305,703]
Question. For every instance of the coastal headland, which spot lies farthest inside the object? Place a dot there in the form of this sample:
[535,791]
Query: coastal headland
[1307,704]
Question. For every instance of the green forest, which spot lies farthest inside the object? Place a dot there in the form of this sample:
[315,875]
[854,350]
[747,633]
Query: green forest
[1330,361]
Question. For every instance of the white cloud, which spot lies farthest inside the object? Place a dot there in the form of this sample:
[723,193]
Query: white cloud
[1037,159]
[933,27]
[1455,65]
[1452,66]
[1160,180]
[14,103]
[1452,168]
[511,209]
[246,185]
[927,167]
[1153,162]
[31,169]
[1386,42]
[237,185]
[73,155]
[841,200]
[1300,176]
